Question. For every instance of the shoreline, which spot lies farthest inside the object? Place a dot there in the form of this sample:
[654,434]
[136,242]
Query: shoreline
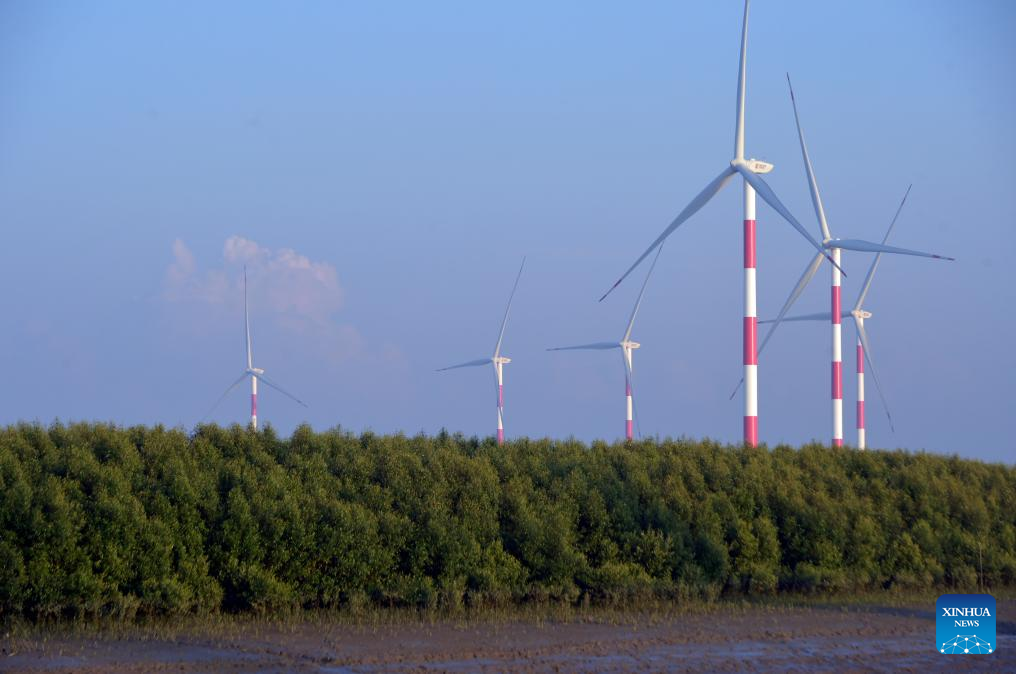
[721,636]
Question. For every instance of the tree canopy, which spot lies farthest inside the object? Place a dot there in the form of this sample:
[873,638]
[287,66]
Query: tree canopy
[99,519]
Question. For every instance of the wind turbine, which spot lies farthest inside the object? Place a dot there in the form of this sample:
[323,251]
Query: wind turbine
[627,347]
[255,373]
[834,246]
[864,346]
[497,360]
[750,170]
[859,315]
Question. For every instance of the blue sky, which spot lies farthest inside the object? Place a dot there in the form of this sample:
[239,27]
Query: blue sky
[383,167]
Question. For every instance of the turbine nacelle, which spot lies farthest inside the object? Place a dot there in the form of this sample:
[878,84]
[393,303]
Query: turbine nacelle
[255,370]
[500,360]
[860,313]
[753,165]
[628,344]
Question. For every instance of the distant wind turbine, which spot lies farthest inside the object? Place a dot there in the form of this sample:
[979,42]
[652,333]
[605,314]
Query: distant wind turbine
[497,360]
[626,345]
[834,246]
[750,170]
[863,345]
[255,373]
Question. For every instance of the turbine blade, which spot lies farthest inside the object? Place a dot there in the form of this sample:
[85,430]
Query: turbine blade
[874,263]
[806,276]
[261,378]
[820,316]
[504,322]
[473,363]
[869,247]
[588,347]
[767,194]
[223,396]
[741,75]
[802,283]
[638,302]
[863,334]
[816,198]
[698,202]
[246,320]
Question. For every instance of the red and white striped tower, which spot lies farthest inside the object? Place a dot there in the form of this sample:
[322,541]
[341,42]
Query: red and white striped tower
[750,322]
[837,371]
[860,394]
[499,369]
[254,402]
[627,393]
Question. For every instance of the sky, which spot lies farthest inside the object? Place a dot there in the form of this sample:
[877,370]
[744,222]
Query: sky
[382,168]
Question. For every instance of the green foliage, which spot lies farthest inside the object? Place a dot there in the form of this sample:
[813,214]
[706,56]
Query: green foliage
[96,519]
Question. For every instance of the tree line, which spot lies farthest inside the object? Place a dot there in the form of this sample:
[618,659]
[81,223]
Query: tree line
[97,519]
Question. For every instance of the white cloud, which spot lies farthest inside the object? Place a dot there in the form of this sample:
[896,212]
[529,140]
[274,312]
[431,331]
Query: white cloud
[288,292]
[296,321]
[293,289]
[183,263]
[183,283]
[239,249]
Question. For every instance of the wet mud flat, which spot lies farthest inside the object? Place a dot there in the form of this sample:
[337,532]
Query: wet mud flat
[829,637]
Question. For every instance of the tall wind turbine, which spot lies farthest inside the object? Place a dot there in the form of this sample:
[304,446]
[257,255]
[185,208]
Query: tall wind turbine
[626,345]
[834,246]
[497,360]
[255,373]
[859,315]
[750,170]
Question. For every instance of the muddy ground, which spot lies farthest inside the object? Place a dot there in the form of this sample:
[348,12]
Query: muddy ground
[838,638]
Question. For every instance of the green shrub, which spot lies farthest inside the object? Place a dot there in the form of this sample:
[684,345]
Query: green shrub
[96,519]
